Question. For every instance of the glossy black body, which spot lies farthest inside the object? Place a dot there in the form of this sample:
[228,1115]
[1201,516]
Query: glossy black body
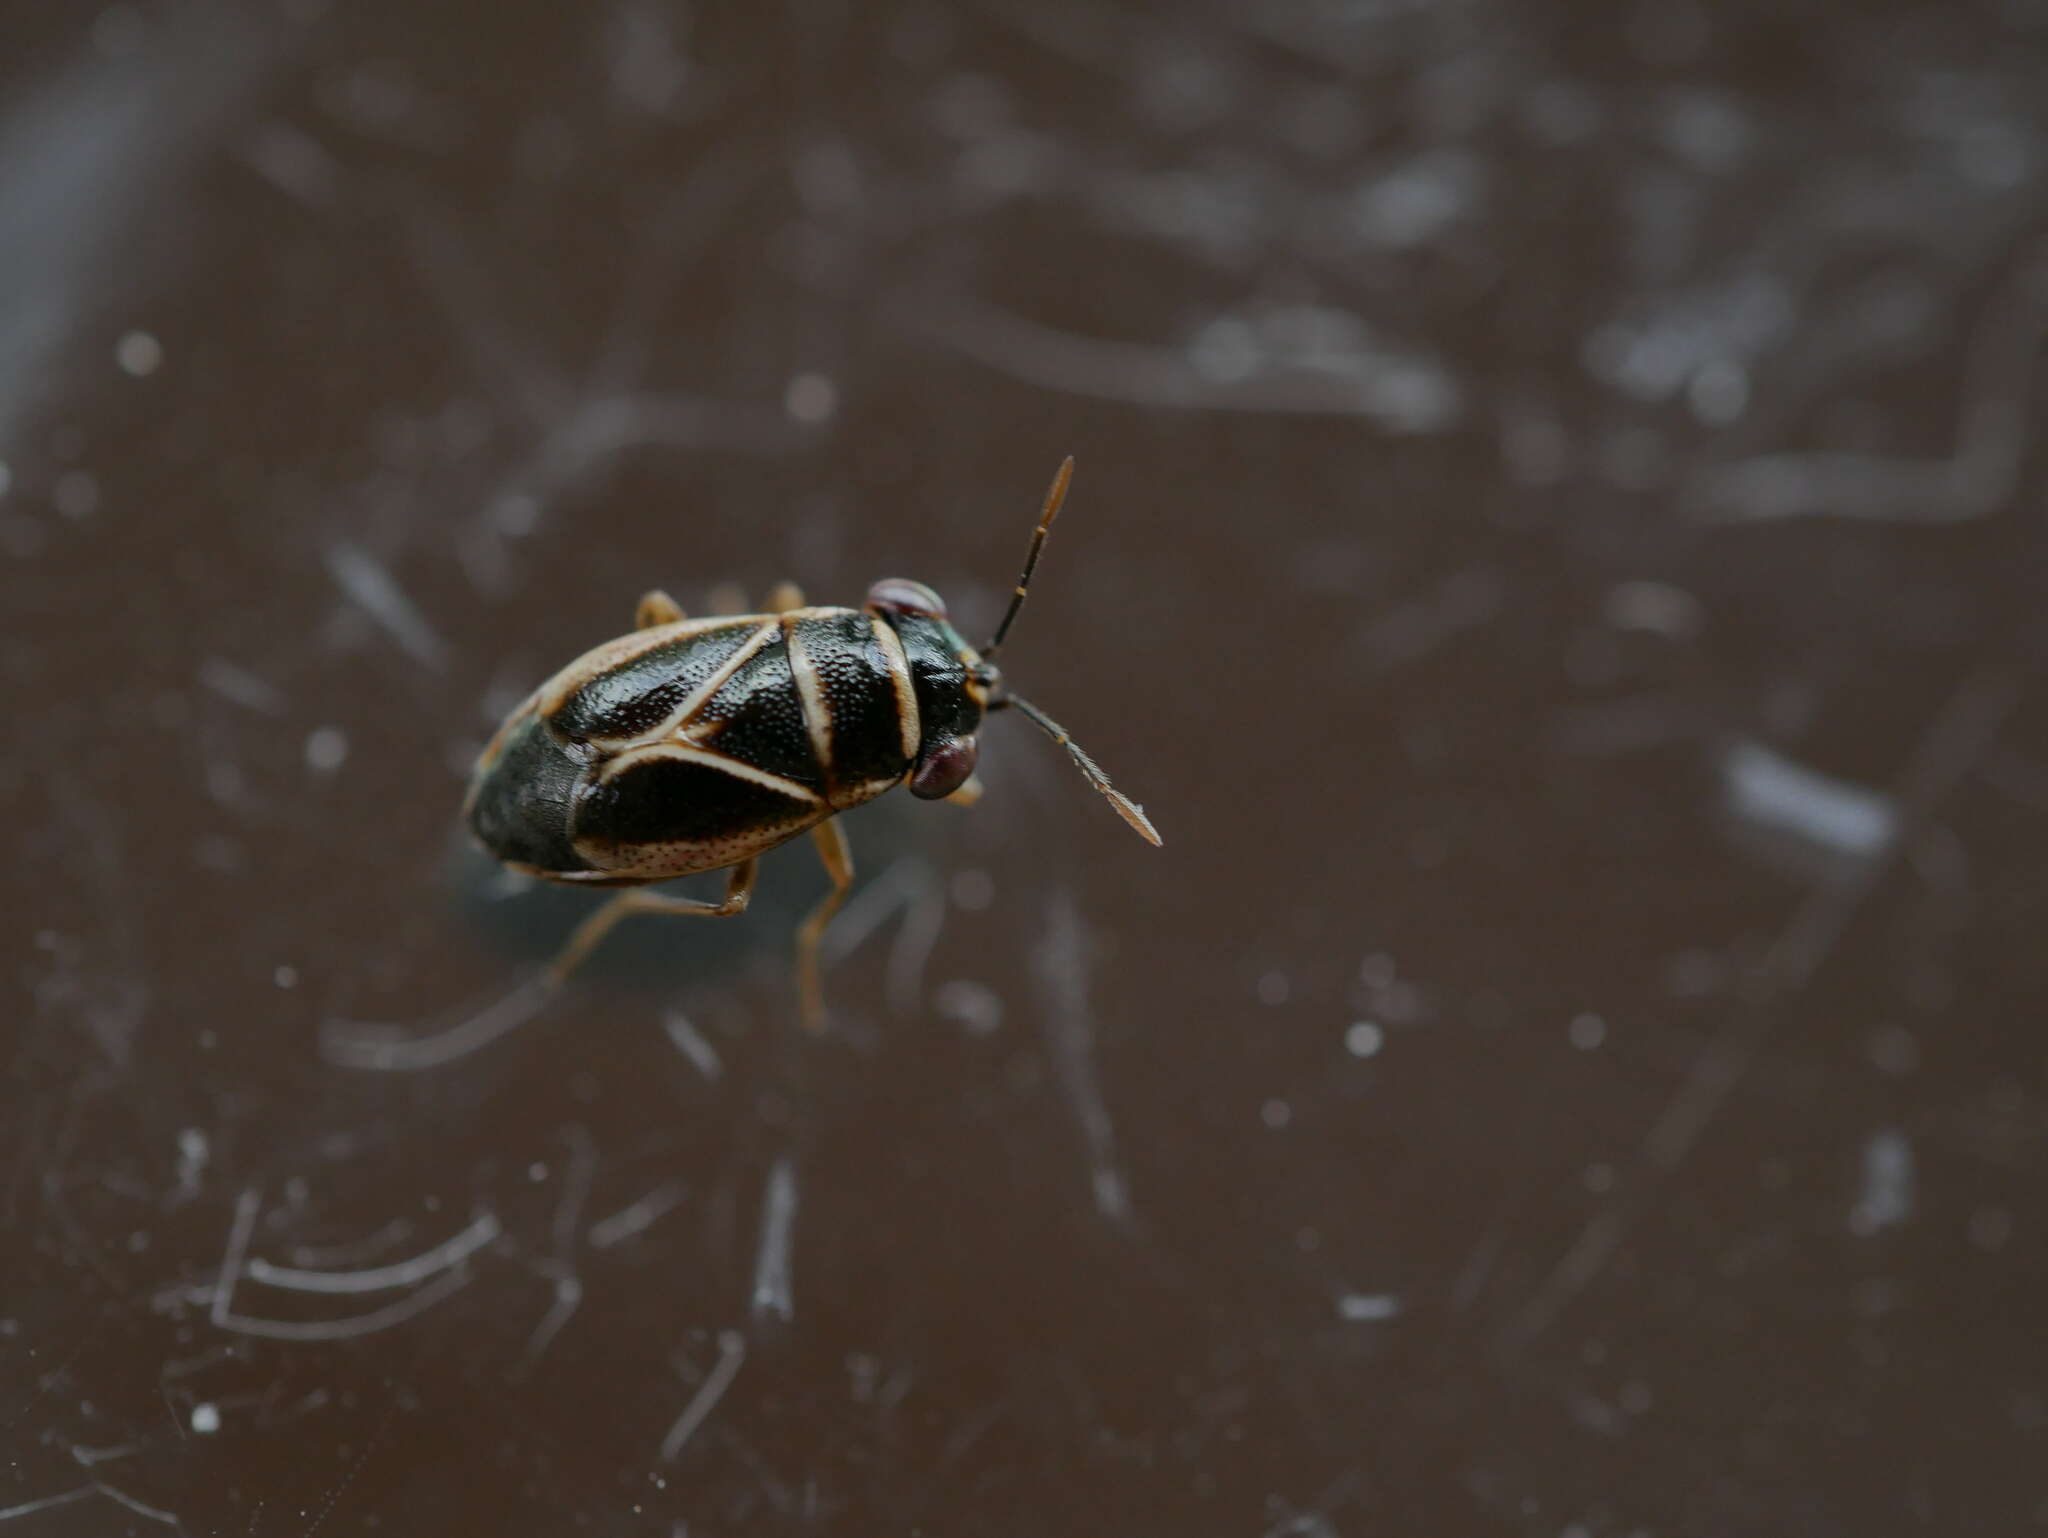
[696,745]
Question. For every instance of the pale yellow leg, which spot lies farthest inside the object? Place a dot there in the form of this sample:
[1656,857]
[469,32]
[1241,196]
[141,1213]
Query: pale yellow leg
[656,608]
[968,793]
[838,858]
[739,889]
[785,596]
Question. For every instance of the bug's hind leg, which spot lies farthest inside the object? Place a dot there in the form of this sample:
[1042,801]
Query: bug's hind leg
[785,596]
[838,858]
[656,608]
[739,890]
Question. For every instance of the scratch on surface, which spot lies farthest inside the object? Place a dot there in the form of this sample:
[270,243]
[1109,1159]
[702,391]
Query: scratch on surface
[235,1266]
[354,1324]
[1237,365]
[366,582]
[560,1268]
[236,684]
[1992,439]
[732,1351]
[88,1456]
[576,1184]
[246,1207]
[1787,799]
[122,1498]
[692,1044]
[1061,961]
[1886,1198]
[637,1217]
[773,1292]
[567,1299]
[912,885]
[1962,732]
[600,429]
[404,1273]
[382,1048]
[47,1502]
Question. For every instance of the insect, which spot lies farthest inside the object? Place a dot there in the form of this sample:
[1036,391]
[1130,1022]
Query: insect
[696,745]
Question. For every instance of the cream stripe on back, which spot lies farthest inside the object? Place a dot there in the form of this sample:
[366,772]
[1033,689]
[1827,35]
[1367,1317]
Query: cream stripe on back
[552,695]
[899,675]
[690,753]
[817,714]
[678,722]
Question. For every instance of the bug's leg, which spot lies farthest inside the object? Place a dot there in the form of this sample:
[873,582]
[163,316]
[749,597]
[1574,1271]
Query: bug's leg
[656,608]
[785,596]
[968,793]
[739,889]
[838,858]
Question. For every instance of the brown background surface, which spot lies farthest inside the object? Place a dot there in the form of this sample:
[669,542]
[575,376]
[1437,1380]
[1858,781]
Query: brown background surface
[1557,547]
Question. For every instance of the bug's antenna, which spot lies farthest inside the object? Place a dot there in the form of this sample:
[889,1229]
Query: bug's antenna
[1126,808]
[1053,499]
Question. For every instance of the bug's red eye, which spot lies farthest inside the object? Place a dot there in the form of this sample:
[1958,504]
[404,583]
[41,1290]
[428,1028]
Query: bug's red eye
[944,769]
[906,597]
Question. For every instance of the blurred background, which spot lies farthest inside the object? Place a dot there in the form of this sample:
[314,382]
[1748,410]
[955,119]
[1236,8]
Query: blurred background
[1557,547]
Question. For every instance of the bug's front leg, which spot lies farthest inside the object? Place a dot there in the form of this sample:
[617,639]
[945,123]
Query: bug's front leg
[656,608]
[739,890]
[785,596]
[838,859]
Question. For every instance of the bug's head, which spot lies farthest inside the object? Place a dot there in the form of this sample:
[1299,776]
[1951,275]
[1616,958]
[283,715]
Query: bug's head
[954,686]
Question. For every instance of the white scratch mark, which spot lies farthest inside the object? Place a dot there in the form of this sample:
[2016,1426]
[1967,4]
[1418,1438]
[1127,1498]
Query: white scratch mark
[193,1152]
[636,1218]
[773,1292]
[46,1503]
[88,1456]
[387,1049]
[239,686]
[975,1007]
[732,1351]
[910,884]
[1993,434]
[122,1498]
[1962,733]
[575,1186]
[1297,361]
[691,1043]
[1886,1199]
[355,1324]
[1368,1307]
[568,1298]
[1781,797]
[246,1206]
[1061,962]
[452,1251]
[1308,1525]
[365,581]
[911,955]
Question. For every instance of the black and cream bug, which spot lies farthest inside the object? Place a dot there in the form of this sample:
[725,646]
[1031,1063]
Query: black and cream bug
[696,745]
